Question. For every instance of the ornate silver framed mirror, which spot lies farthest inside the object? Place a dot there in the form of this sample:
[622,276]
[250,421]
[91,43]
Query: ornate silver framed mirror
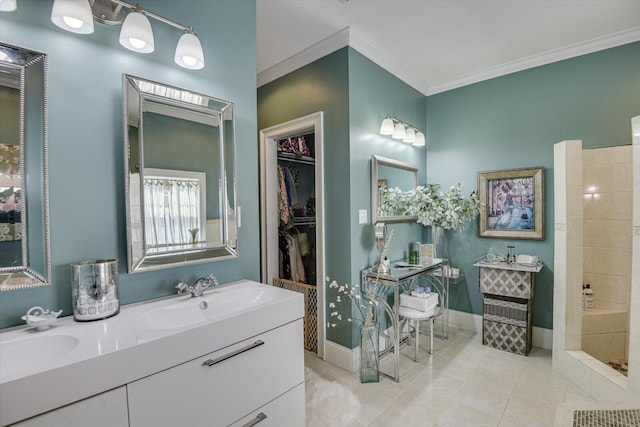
[24,193]
[179,174]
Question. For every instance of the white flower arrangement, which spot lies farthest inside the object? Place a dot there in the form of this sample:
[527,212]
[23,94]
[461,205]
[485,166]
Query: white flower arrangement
[357,295]
[450,210]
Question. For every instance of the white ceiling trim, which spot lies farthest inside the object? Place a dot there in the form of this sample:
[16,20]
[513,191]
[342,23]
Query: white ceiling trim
[307,56]
[347,37]
[590,46]
[388,61]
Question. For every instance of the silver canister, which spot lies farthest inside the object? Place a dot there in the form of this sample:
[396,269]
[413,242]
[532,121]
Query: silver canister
[94,289]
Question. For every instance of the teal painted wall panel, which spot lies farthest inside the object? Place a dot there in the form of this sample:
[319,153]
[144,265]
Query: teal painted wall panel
[86,137]
[514,121]
[321,86]
[374,93]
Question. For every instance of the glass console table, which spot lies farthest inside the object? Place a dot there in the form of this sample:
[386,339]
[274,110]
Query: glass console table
[400,279]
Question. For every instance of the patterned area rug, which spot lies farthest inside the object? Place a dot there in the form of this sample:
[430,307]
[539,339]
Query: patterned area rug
[607,418]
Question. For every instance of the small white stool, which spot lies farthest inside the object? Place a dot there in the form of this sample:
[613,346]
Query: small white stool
[415,317]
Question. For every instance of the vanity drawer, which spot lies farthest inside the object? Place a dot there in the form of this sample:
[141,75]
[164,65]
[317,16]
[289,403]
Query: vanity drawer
[286,410]
[217,388]
[511,283]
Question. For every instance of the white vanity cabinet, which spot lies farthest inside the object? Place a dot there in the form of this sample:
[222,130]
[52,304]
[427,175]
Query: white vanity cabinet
[168,362]
[108,409]
[286,410]
[219,388]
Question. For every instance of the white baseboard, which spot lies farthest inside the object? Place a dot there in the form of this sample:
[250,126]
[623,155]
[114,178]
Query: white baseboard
[349,359]
[341,356]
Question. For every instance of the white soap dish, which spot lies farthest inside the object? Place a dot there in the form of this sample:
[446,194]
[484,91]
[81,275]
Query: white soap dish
[39,318]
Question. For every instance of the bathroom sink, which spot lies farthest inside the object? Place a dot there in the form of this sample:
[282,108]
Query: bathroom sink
[26,354]
[214,305]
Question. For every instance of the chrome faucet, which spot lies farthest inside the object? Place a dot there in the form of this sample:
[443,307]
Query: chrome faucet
[198,287]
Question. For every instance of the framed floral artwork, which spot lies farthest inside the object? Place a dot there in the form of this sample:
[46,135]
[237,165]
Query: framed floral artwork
[512,203]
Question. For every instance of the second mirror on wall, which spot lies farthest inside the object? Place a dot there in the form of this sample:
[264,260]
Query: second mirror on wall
[24,195]
[180,176]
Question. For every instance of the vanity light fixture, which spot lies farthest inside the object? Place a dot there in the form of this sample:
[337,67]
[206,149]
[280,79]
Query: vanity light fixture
[72,15]
[136,33]
[387,126]
[398,131]
[420,141]
[8,5]
[189,51]
[409,135]
[403,131]
[635,126]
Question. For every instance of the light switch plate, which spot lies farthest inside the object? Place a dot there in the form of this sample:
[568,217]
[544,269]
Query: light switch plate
[362,216]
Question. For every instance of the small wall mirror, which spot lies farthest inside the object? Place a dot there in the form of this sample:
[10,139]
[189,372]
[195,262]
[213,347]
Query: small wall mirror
[180,176]
[390,173]
[24,196]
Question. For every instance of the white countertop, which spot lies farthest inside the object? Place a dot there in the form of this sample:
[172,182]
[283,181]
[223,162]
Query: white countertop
[513,266]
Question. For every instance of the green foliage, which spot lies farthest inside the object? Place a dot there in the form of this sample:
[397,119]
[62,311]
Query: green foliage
[450,210]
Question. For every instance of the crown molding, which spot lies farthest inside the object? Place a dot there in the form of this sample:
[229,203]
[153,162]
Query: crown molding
[582,48]
[314,52]
[386,60]
[334,42]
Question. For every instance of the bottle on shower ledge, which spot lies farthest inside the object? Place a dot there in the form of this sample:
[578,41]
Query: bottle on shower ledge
[588,297]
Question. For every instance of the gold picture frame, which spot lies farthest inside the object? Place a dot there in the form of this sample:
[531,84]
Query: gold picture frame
[512,203]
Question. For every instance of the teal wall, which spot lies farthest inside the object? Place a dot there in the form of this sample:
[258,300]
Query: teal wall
[355,95]
[86,163]
[514,121]
[321,86]
[374,93]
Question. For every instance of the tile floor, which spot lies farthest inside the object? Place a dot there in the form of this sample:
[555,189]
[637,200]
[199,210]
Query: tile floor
[463,384]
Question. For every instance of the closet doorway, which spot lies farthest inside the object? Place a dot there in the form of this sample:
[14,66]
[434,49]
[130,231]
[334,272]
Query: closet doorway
[292,216]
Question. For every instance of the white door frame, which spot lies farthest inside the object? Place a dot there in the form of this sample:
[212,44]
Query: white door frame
[269,211]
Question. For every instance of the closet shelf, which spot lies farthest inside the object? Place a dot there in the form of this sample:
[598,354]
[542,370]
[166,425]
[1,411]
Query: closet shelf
[304,220]
[291,157]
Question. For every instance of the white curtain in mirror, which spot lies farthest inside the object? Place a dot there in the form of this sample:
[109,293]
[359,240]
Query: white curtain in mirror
[172,208]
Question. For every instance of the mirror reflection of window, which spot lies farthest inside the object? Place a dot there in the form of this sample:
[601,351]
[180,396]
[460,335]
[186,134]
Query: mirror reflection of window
[173,214]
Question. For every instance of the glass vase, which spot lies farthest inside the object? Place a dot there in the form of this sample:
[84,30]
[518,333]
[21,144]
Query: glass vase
[439,242]
[369,356]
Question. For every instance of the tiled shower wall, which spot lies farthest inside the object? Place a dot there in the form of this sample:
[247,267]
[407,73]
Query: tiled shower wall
[607,240]
[607,224]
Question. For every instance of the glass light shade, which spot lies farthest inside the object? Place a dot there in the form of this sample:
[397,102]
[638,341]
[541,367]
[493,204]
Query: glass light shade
[410,136]
[635,125]
[136,33]
[8,5]
[73,15]
[189,52]
[387,127]
[398,131]
[420,141]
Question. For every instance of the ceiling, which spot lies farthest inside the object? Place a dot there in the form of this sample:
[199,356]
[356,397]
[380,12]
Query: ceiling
[437,45]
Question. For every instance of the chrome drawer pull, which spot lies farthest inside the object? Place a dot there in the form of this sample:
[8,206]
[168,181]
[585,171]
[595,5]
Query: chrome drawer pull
[261,416]
[211,362]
